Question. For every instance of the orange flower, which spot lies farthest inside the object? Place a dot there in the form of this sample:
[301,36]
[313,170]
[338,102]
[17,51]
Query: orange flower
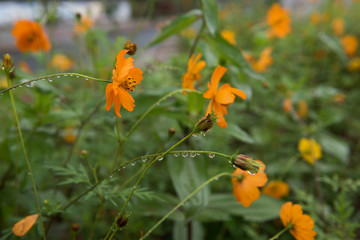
[279,21]
[354,64]
[264,61]
[349,44]
[303,110]
[61,62]
[245,185]
[24,66]
[221,98]
[300,225]
[83,24]
[30,36]
[125,77]
[338,26]
[287,105]
[193,72]
[229,36]
[276,189]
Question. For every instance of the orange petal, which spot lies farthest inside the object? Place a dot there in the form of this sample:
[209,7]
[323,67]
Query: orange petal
[216,76]
[246,194]
[224,95]
[126,100]
[136,73]
[109,96]
[123,65]
[117,105]
[239,93]
[209,94]
[24,225]
[209,109]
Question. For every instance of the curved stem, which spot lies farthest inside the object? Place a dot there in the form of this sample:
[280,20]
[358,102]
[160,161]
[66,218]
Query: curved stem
[27,162]
[55,76]
[279,233]
[113,226]
[184,200]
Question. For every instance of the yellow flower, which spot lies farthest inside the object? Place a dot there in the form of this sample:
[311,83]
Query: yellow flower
[264,61]
[279,20]
[338,26]
[349,44]
[309,149]
[228,36]
[276,189]
[61,62]
[354,65]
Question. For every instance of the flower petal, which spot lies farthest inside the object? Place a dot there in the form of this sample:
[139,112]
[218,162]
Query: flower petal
[109,96]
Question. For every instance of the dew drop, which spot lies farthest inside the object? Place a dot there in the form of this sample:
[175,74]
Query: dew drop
[143,159]
[71,75]
[160,158]
[29,173]
[133,163]
[185,154]
[77,76]
[123,167]
[50,80]
[65,75]
[204,134]
[198,154]
[234,166]
[193,154]
[194,135]
[58,76]
[216,179]
[110,176]
[21,86]
[29,84]
[86,79]
[211,155]
[118,170]
[251,173]
[176,154]
[1,93]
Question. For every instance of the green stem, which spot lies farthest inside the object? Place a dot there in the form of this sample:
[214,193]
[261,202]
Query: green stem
[113,226]
[184,200]
[98,214]
[54,77]
[192,49]
[279,233]
[27,161]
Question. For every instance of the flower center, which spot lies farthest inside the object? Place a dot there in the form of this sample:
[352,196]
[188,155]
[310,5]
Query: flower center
[129,84]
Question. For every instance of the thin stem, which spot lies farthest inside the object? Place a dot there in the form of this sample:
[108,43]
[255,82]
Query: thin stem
[55,76]
[279,233]
[113,226]
[98,214]
[192,49]
[27,161]
[184,200]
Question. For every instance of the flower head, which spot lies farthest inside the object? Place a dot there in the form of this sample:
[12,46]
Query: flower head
[338,26]
[222,97]
[193,72]
[245,185]
[30,36]
[310,150]
[262,64]
[61,62]
[349,44]
[276,189]
[229,36]
[279,21]
[125,78]
[300,225]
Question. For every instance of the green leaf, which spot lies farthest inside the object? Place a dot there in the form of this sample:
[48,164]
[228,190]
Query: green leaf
[181,232]
[335,146]
[334,46]
[210,10]
[177,25]
[238,133]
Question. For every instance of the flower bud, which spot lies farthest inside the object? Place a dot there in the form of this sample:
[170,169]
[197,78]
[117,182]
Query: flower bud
[75,227]
[246,163]
[131,47]
[122,221]
[205,123]
[171,132]
[7,63]
[78,17]
[84,153]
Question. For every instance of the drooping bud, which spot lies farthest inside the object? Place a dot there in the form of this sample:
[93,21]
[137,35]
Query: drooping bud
[205,123]
[246,163]
[131,46]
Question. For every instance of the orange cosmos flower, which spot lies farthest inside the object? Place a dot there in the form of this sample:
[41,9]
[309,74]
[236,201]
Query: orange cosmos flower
[264,61]
[30,36]
[229,36]
[245,185]
[276,189]
[279,21]
[338,26]
[222,97]
[125,78]
[83,24]
[300,225]
[349,44]
[193,72]
[61,62]
[287,105]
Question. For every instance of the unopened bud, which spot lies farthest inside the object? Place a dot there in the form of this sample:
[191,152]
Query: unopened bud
[131,47]
[246,163]
[7,63]
[205,123]
[84,153]
[75,227]
[122,221]
[265,84]
[171,132]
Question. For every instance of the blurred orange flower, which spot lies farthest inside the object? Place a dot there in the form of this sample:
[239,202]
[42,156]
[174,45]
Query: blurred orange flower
[228,36]
[83,24]
[287,105]
[221,98]
[61,62]
[125,78]
[276,189]
[339,98]
[24,66]
[316,17]
[264,61]
[70,135]
[193,72]
[349,44]
[354,65]
[338,26]
[279,20]
[30,36]
[309,149]
[300,225]
[302,109]
[245,185]
[24,225]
